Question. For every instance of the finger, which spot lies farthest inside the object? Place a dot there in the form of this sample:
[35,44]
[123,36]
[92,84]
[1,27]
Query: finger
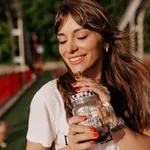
[76,119]
[82,83]
[74,129]
[89,85]
[78,138]
[82,78]
[86,82]
[103,94]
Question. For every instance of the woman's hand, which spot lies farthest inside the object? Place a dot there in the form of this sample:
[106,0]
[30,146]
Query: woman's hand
[80,137]
[84,84]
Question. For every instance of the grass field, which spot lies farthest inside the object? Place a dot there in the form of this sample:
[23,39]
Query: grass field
[17,117]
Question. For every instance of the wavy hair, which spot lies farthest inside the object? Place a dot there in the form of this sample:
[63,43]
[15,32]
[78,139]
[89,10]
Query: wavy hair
[121,72]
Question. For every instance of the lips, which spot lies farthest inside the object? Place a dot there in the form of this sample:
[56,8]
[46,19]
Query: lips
[77,59]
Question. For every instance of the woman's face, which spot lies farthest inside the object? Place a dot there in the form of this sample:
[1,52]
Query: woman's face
[81,49]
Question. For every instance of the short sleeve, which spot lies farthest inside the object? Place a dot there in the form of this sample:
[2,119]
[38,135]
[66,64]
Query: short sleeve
[41,128]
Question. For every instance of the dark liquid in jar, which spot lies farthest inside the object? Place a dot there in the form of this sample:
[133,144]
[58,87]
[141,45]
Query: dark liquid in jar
[101,138]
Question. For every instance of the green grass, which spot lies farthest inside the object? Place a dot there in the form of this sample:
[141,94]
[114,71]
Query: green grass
[17,117]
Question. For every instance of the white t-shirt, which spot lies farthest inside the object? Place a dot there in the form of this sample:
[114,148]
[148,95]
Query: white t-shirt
[47,120]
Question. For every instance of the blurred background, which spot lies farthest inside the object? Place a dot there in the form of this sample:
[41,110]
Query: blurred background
[29,54]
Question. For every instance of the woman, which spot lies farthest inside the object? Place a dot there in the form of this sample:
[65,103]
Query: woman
[90,43]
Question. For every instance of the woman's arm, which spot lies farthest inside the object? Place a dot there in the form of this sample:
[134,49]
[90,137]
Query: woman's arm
[127,139]
[35,146]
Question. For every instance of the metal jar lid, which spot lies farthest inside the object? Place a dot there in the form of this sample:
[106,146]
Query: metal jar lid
[81,95]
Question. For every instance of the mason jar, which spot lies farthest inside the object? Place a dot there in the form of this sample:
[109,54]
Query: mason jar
[98,115]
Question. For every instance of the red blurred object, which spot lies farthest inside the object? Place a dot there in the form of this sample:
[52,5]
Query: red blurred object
[28,76]
[10,84]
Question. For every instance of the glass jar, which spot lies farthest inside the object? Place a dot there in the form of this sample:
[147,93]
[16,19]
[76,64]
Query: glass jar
[98,115]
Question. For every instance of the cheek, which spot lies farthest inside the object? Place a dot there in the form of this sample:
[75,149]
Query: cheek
[100,47]
[61,51]
[96,49]
[86,45]
[94,44]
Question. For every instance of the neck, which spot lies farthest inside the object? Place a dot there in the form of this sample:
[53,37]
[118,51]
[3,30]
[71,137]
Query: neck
[95,72]
[94,76]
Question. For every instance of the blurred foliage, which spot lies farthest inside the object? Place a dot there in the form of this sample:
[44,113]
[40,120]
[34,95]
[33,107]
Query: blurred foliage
[4,37]
[115,8]
[39,16]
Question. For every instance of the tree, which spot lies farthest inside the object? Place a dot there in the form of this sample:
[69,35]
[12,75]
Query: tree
[5,56]
[39,18]
[115,8]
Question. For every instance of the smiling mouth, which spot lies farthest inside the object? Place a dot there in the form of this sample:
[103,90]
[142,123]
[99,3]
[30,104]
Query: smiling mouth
[77,60]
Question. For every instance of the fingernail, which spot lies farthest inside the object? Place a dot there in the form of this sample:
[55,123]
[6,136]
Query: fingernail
[78,89]
[96,134]
[73,84]
[83,117]
[92,129]
[77,77]
[86,86]
[92,142]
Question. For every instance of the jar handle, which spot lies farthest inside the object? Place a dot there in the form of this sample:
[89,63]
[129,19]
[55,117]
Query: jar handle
[110,120]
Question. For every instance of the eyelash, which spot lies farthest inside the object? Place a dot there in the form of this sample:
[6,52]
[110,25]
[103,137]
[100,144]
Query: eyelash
[62,42]
[80,38]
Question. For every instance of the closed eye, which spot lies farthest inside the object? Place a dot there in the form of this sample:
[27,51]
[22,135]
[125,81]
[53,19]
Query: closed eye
[83,37]
[62,42]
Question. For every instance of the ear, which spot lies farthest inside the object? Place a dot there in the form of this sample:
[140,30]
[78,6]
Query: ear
[107,44]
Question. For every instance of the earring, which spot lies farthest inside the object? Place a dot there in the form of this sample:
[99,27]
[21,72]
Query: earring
[106,49]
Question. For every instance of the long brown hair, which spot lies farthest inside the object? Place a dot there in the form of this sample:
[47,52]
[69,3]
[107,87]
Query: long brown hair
[120,72]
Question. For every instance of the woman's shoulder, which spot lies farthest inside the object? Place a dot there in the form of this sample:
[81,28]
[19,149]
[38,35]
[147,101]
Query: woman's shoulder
[49,89]
[51,85]
[48,96]
[47,92]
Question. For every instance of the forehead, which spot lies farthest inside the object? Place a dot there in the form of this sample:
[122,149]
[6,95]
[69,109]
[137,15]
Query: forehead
[69,24]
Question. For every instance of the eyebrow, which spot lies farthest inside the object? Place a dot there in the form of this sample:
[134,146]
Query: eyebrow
[76,30]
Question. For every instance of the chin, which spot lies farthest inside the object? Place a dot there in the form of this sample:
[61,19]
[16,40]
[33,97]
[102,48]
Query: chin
[76,70]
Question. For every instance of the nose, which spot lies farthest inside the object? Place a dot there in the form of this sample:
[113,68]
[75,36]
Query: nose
[71,46]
